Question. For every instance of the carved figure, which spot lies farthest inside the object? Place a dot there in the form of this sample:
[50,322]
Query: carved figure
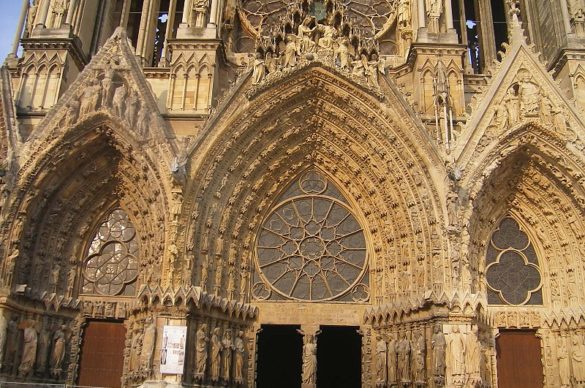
[215,354]
[434,10]
[227,345]
[404,359]
[578,359]
[404,13]
[359,66]
[119,100]
[271,63]
[200,8]
[290,52]
[381,356]
[71,281]
[58,353]
[3,332]
[59,8]
[29,349]
[305,35]
[11,342]
[564,365]
[148,342]
[30,17]
[472,355]
[259,71]
[107,87]
[392,360]
[341,53]
[419,357]
[511,103]
[528,94]
[131,107]
[329,34]
[240,353]
[310,360]
[201,352]
[54,278]
[90,98]
[456,351]
[71,112]
[374,68]
[439,345]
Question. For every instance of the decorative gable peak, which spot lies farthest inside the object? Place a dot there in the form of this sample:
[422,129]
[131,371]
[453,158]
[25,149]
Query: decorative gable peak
[112,84]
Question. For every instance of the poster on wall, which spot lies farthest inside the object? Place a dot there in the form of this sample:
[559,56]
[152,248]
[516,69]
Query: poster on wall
[172,350]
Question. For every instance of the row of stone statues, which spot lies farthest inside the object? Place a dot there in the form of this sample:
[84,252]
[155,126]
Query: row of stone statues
[401,360]
[103,92]
[42,348]
[317,41]
[222,353]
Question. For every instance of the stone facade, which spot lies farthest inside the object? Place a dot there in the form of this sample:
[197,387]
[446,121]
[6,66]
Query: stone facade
[228,165]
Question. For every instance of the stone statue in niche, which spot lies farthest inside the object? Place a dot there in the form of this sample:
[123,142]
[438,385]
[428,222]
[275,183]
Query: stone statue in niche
[43,347]
[381,357]
[30,17]
[310,359]
[107,87]
[58,352]
[135,354]
[434,10]
[564,364]
[439,345]
[54,277]
[403,351]
[392,360]
[452,209]
[578,360]
[131,107]
[201,352]
[420,352]
[58,11]
[148,343]
[29,348]
[71,281]
[227,345]
[456,352]
[215,354]
[239,358]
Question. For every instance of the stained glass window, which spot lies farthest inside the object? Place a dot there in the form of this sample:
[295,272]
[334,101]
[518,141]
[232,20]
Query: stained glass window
[311,246]
[512,271]
[111,266]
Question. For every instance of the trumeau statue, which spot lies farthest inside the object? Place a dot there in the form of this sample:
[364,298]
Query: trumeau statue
[310,360]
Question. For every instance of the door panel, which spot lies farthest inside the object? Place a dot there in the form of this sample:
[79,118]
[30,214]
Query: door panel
[519,360]
[102,354]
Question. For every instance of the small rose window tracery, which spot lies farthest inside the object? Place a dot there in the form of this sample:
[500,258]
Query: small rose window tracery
[311,246]
[512,272]
[111,266]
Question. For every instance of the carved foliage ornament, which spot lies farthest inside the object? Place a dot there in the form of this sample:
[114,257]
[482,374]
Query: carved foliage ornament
[512,272]
[111,267]
[311,246]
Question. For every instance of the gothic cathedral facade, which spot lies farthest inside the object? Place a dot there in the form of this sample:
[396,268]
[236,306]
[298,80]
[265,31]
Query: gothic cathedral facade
[294,193]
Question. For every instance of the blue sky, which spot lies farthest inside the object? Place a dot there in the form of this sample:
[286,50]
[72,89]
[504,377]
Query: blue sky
[9,12]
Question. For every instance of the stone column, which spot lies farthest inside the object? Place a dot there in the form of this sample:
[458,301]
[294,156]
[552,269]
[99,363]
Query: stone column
[143,29]
[186,11]
[125,13]
[70,11]
[43,14]
[168,32]
[213,14]
[566,16]
[449,14]
[20,26]
[421,14]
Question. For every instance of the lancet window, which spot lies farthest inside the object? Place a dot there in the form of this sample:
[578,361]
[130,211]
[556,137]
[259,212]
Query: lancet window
[311,246]
[111,265]
[512,272]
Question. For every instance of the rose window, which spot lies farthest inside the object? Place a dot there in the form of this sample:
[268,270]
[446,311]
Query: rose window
[512,272]
[111,267]
[311,246]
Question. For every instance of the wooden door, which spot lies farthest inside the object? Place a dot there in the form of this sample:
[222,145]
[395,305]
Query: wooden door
[102,354]
[519,360]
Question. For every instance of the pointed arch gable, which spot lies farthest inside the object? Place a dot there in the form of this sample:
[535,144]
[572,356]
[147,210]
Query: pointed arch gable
[247,153]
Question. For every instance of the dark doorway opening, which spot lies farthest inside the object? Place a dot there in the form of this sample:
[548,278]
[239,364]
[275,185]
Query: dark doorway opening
[102,354]
[339,357]
[279,363]
[519,359]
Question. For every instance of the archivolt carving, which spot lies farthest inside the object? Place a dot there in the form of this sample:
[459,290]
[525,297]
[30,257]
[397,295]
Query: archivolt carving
[353,144]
